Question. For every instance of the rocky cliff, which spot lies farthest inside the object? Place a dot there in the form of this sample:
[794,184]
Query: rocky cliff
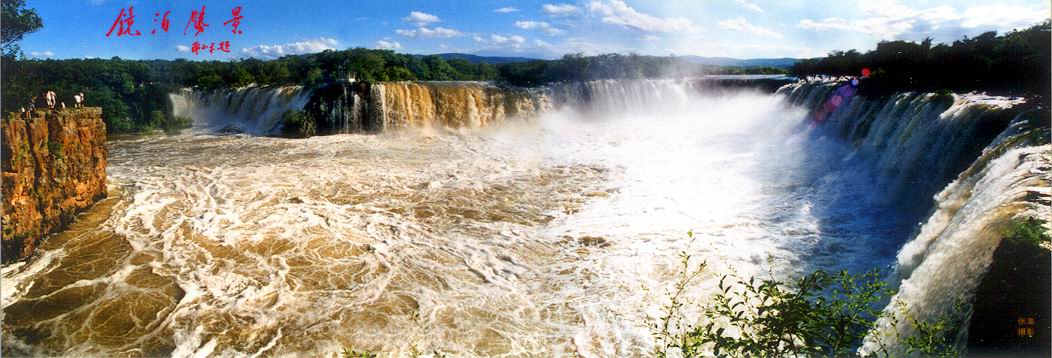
[54,166]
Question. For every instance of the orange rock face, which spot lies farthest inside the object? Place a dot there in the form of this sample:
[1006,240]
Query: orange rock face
[54,166]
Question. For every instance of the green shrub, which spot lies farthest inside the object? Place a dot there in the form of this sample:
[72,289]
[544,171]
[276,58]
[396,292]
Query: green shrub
[177,124]
[1027,230]
[297,124]
[169,124]
[819,314]
[55,149]
[157,119]
[944,97]
[350,353]
[931,338]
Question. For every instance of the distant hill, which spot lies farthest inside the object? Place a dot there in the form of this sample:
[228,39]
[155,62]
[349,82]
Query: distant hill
[784,62]
[493,60]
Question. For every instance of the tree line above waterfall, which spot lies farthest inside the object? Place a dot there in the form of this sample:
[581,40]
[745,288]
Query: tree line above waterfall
[1017,63]
[133,93]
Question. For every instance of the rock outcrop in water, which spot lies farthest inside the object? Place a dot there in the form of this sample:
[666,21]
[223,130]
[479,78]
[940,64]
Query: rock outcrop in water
[341,108]
[54,166]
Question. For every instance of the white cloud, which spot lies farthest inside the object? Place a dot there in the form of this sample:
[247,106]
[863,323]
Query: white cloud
[540,25]
[505,10]
[503,42]
[589,46]
[182,48]
[748,5]
[388,45]
[41,54]
[293,48]
[829,23]
[737,49]
[616,12]
[559,9]
[892,20]
[420,18]
[1003,17]
[649,38]
[423,32]
[740,24]
[542,44]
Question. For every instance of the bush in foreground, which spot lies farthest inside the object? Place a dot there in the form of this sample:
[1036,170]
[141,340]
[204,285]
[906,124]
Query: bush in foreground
[819,314]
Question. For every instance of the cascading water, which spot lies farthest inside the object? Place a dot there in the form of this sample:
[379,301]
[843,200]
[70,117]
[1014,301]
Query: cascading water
[342,108]
[450,104]
[916,143]
[940,269]
[255,110]
[606,97]
[551,236]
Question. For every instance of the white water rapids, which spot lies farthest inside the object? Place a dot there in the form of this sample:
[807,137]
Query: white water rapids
[556,235]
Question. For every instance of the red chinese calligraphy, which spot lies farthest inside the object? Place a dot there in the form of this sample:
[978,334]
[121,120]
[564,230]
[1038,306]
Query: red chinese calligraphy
[236,21]
[125,24]
[198,20]
[164,21]
[196,47]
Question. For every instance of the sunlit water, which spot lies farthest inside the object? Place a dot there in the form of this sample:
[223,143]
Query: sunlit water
[552,236]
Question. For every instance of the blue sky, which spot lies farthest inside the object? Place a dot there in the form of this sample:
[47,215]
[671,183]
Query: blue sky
[542,29]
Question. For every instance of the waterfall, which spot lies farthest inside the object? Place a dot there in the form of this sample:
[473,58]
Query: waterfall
[450,104]
[479,104]
[916,142]
[559,237]
[361,106]
[945,263]
[253,109]
[604,97]
[373,107]
[988,161]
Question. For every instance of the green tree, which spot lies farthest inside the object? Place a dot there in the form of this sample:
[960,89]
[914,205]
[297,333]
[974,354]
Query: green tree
[366,64]
[399,74]
[297,124]
[239,76]
[17,21]
[314,78]
[114,111]
[440,69]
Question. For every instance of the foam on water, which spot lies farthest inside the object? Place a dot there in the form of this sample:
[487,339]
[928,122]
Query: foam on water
[552,236]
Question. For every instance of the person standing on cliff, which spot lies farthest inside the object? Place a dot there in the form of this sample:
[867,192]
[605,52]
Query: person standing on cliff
[50,97]
[32,103]
[79,97]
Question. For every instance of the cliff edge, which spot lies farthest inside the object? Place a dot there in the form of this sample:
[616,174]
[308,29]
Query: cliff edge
[54,166]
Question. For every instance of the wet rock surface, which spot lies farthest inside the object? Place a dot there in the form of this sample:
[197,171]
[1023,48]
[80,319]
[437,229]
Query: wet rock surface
[54,166]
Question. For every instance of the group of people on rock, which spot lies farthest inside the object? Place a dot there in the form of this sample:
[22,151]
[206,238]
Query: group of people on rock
[51,99]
